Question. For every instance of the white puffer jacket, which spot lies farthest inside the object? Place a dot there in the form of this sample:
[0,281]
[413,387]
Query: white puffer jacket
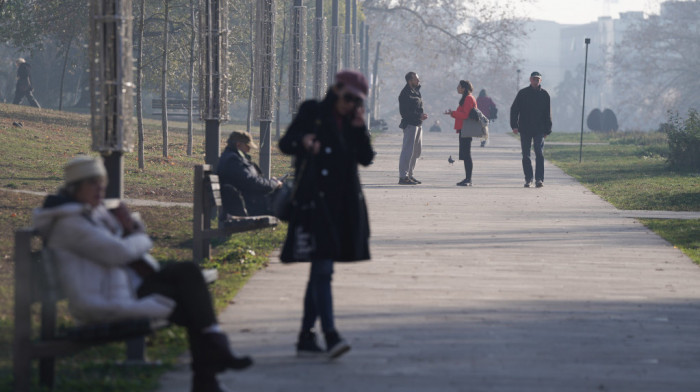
[91,258]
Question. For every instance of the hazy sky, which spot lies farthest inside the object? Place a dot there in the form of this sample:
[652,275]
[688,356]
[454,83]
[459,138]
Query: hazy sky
[580,12]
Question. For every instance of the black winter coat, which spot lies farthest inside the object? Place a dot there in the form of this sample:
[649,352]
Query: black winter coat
[411,106]
[24,83]
[238,170]
[531,113]
[329,214]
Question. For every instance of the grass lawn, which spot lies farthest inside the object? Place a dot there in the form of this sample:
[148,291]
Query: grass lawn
[32,160]
[629,170]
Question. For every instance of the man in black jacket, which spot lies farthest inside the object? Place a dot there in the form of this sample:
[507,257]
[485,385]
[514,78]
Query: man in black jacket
[243,187]
[531,117]
[24,84]
[412,116]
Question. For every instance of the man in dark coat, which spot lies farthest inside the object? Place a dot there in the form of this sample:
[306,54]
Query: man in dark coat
[412,117]
[245,190]
[531,117]
[24,84]
[329,216]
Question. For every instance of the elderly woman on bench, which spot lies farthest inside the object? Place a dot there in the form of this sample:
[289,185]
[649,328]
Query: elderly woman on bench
[107,274]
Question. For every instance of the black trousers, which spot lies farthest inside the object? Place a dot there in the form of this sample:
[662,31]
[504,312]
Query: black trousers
[183,283]
[465,154]
[22,92]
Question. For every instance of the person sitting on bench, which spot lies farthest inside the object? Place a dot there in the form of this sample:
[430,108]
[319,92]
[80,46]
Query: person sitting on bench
[106,272]
[244,189]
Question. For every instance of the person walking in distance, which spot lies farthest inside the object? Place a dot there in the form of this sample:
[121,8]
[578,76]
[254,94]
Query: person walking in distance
[531,117]
[466,104]
[24,84]
[412,117]
[488,108]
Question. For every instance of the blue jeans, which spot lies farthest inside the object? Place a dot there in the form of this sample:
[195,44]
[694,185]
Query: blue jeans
[536,141]
[318,301]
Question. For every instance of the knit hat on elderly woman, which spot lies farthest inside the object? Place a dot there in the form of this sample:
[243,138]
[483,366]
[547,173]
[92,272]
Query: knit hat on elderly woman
[83,167]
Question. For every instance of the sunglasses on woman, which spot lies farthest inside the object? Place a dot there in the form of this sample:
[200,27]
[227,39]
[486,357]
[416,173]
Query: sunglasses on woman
[351,98]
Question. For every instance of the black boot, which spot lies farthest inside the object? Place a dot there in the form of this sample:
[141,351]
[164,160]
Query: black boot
[216,347]
[307,346]
[206,382]
[203,372]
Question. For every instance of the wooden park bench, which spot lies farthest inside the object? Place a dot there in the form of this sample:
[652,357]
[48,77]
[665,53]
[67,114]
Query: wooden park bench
[36,282]
[207,203]
[176,107]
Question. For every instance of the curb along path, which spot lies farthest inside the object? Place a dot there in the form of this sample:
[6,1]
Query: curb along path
[490,288]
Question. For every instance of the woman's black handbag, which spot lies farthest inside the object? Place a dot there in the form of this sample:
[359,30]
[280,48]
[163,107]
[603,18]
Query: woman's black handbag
[282,201]
[284,197]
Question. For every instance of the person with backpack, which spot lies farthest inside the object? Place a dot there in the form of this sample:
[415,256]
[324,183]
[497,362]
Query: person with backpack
[488,108]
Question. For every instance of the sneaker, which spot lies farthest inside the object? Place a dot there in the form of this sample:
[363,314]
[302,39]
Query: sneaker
[465,182]
[307,346]
[539,184]
[528,183]
[414,180]
[406,181]
[335,345]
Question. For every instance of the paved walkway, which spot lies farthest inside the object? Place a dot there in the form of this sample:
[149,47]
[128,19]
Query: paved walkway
[489,288]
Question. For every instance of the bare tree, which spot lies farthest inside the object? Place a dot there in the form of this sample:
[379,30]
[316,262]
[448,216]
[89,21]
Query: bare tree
[164,78]
[488,30]
[656,65]
[190,89]
[139,84]
[423,36]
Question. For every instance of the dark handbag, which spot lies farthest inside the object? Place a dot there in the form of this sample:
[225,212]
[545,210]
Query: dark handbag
[311,233]
[282,201]
[283,198]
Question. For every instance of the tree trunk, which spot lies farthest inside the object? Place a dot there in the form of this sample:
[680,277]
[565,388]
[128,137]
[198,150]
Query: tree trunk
[63,74]
[373,115]
[164,79]
[139,78]
[251,84]
[190,92]
[279,83]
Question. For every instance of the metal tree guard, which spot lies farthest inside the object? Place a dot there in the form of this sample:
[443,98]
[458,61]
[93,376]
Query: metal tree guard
[265,45]
[213,82]
[111,86]
[297,69]
[365,50]
[319,52]
[355,38]
[583,105]
[348,47]
[335,44]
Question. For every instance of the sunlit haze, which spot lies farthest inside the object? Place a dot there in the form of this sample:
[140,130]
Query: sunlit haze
[580,12]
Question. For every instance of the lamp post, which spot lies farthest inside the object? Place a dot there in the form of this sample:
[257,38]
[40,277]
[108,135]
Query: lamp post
[583,105]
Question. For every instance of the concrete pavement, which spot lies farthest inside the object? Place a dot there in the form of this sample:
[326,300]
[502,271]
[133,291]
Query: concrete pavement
[489,288]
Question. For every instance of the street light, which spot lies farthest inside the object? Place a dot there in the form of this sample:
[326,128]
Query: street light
[583,105]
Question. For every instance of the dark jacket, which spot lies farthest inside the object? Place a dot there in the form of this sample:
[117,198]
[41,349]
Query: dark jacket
[411,106]
[329,214]
[24,82]
[531,113]
[235,168]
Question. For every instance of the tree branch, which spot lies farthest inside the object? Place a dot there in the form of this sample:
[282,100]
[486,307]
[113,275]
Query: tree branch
[425,23]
